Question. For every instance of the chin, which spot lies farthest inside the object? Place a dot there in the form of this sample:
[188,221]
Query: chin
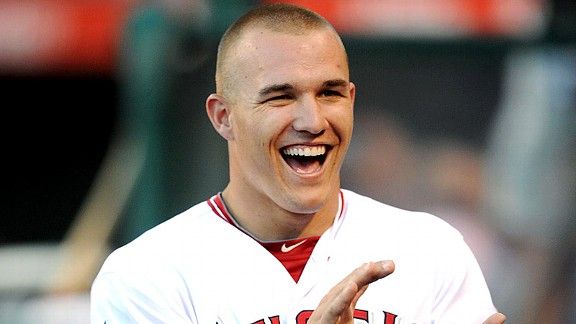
[308,202]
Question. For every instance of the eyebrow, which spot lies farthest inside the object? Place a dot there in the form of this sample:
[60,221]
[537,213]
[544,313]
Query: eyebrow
[335,83]
[286,86]
[275,88]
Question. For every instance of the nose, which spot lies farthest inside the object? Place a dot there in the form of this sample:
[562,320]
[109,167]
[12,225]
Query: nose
[309,116]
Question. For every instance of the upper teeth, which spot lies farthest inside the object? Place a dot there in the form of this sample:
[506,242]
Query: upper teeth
[305,151]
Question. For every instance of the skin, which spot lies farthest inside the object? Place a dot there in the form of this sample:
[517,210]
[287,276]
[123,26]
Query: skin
[291,91]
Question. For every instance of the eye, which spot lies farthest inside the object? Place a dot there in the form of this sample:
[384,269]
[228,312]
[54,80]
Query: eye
[278,99]
[331,93]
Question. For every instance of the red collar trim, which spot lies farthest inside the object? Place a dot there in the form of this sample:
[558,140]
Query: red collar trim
[219,209]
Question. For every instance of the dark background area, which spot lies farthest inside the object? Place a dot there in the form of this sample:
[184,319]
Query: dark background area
[56,132]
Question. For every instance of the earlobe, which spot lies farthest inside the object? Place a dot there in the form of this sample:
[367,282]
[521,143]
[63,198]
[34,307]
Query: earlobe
[218,111]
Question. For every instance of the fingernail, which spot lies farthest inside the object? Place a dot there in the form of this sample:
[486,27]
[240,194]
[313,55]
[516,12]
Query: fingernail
[387,265]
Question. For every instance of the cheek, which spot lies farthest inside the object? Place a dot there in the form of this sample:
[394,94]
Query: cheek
[269,125]
[255,135]
[342,121]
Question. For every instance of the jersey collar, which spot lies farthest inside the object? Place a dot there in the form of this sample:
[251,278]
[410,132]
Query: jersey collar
[217,205]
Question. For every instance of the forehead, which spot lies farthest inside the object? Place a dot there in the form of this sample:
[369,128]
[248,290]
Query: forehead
[267,56]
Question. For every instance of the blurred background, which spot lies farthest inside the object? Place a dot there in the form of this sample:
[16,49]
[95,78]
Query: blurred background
[465,109]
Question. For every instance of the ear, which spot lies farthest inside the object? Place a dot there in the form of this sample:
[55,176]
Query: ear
[219,113]
[352,92]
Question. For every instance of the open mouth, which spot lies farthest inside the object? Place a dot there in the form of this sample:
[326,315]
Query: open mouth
[305,159]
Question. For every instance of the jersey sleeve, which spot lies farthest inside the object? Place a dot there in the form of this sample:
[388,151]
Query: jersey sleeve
[134,298]
[462,295]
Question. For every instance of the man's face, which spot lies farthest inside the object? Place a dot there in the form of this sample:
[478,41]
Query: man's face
[291,117]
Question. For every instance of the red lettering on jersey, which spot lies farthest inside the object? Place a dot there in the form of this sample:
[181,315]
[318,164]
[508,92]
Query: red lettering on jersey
[361,314]
[389,318]
[303,317]
[273,320]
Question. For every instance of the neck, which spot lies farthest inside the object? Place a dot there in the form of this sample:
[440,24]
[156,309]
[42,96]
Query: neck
[266,221]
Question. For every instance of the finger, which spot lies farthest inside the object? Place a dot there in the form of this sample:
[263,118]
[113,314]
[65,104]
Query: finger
[360,277]
[334,303]
[497,318]
[339,308]
[388,268]
[370,272]
[358,295]
[348,316]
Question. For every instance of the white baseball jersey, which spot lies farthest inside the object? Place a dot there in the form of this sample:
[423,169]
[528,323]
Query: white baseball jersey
[198,267]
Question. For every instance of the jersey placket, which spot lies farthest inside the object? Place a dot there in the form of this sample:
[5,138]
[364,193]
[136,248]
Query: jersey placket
[317,265]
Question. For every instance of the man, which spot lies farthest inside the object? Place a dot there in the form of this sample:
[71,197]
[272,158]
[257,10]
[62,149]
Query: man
[283,243]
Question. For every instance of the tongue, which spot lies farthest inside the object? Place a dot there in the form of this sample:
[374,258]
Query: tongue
[303,165]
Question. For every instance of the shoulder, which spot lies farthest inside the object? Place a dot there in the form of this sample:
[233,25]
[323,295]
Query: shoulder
[142,280]
[402,232]
[164,242]
[418,240]
[369,212]
[154,263]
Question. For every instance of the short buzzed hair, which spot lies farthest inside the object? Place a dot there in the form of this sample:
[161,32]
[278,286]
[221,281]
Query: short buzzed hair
[280,17]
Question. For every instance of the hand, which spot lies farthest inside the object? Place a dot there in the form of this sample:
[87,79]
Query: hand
[496,318]
[337,307]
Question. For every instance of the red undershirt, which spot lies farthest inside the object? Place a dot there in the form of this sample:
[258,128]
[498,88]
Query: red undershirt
[293,254]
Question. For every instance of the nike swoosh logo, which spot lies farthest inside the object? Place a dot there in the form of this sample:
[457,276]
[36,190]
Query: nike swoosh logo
[285,248]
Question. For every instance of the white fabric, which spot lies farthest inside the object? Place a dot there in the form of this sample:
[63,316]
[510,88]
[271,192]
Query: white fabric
[197,268]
